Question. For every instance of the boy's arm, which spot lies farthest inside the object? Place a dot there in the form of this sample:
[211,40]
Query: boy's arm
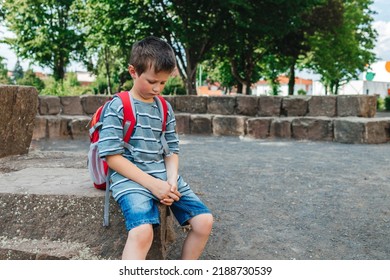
[172,167]
[159,188]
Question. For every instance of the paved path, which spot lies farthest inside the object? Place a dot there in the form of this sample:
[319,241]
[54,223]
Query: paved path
[277,199]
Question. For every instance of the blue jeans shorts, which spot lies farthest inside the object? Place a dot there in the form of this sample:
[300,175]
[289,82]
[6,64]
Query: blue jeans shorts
[138,209]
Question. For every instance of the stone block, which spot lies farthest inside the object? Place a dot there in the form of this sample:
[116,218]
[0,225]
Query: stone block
[58,127]
[91,103]
[171,100]
[247,105]
[49,105]
[192,104]
[362,130]
[229,125]
[281,128]
[294,106]
[55,213]
[201,124]
[78,128]
[377,132]
[315,129]
[258,128]
[18,108]
[40,128]
[322,106]
[71,105]
[269,106]
[356,106]
[221,105]
[183,123]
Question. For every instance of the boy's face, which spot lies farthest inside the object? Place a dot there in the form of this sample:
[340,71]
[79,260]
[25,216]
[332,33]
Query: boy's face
[148,84]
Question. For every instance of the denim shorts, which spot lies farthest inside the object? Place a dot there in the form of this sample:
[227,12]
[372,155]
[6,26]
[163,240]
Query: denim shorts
[138,209]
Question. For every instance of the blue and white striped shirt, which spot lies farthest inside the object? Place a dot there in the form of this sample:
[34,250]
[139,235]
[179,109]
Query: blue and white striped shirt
[146,150]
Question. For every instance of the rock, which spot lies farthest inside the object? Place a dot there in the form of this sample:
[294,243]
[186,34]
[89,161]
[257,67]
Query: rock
[79,128]
[322,106]
[59,210]
[71,105]
[280,128]
[191,104]
[18,108]
[356,106]
[49,105]
[269,106]
[247,105]
[201,124]
[361,130]
[294,106]
[221,105]
[314,129]
[91,103]
[258,128]
[229,125]
[183,123]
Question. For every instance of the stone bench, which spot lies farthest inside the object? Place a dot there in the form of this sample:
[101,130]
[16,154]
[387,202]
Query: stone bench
[55,213]
[345,119]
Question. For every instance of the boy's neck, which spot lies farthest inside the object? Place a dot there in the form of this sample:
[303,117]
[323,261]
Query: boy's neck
[139,98]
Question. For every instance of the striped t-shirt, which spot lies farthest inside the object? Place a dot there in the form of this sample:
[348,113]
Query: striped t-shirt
[146,150]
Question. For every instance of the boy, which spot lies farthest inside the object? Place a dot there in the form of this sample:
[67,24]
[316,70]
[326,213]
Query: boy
[143,176]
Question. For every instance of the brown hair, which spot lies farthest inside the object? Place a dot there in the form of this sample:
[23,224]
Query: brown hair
[152,52]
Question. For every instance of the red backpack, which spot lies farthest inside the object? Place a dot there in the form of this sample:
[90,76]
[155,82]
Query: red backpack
[97,167]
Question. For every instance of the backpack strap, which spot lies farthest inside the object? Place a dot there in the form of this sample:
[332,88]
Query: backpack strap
[129,117]
[163,107]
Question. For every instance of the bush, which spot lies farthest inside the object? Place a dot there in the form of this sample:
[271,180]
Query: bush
[30,79]
[380,103]
[174,86]
[301,92]
[387,103]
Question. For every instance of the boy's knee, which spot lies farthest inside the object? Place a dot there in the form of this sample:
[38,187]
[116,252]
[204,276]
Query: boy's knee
[142,235]
[202,224]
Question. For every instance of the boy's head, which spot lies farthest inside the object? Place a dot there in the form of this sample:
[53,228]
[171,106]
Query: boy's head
[152,53]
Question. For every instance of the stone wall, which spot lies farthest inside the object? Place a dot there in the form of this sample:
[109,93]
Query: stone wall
[346,119]
[17,113]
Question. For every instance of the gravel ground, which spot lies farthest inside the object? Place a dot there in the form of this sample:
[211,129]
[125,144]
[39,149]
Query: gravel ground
[277,199]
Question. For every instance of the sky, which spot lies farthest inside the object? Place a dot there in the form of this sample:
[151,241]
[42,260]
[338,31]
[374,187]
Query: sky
[381,24]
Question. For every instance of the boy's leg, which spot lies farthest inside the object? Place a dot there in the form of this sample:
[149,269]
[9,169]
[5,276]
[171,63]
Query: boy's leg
[197,237]
[139,241]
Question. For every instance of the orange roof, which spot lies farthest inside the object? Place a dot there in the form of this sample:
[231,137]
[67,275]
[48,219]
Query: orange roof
[283,80]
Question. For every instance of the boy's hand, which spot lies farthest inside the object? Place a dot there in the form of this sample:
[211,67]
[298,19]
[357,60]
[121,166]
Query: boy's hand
[166,193]
[173,195]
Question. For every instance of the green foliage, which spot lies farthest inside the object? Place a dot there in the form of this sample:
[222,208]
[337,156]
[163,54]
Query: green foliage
[46,32]
[174,86]
[3,73]
[387,103]
[339,54]
[301,92]
[380,103]
[30,79]
[18,71]
[70,86]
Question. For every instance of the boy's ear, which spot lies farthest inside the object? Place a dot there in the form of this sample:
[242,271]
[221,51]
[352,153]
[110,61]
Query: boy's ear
[132,71]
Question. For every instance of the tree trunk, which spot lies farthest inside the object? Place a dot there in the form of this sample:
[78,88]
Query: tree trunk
[107,65]
[291,81]
[239,87]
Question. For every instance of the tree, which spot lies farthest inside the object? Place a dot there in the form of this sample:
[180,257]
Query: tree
[45,32]
[18,71]
[192,28]
[339,55]
[253,30]
[111,27]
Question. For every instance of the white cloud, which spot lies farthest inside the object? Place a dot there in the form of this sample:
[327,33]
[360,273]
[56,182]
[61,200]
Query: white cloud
[382,48]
